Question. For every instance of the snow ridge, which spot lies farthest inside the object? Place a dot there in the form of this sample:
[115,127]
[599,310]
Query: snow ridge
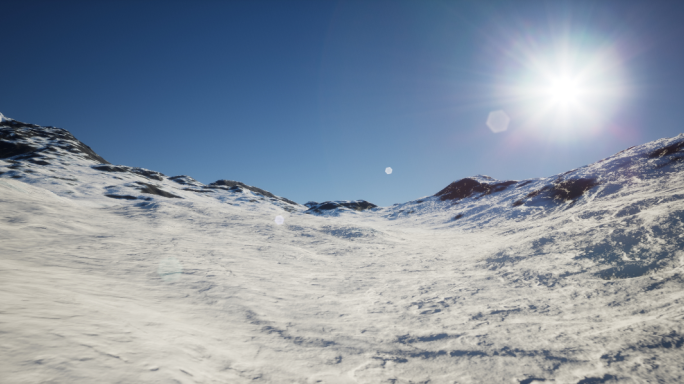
[37,154]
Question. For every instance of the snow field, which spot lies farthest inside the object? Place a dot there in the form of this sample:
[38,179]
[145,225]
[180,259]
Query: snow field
[353,298]
[168,280]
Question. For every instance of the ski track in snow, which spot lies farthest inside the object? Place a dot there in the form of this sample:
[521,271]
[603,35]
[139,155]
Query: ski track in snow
[402,294]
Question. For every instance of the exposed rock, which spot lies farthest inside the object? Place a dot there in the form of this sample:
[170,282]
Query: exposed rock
[237,186]
[572,189]
[154,190]
[153,175]
[538,191]
[10,149]
[667,150]
[123,197]
[199,190]
[39,162]
[186,180]
[17,124]
[565,190]
[357,205]
[14,137]
[111,168]
[468,187]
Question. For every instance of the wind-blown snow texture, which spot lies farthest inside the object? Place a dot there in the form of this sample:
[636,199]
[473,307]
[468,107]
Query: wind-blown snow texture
[116,274]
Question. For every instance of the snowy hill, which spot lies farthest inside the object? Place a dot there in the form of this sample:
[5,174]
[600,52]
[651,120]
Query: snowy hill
[606,197]
[114,274]
[43,155]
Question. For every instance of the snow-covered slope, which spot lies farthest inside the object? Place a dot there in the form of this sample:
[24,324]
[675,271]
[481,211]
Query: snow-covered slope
[51,157]
[117,274]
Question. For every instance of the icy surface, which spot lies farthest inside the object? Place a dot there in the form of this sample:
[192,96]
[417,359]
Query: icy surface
[106,277]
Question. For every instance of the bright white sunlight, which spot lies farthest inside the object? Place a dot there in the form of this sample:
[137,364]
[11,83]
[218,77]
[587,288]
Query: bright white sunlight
[564,90]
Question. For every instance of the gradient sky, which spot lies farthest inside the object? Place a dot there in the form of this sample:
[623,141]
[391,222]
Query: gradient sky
[312,100]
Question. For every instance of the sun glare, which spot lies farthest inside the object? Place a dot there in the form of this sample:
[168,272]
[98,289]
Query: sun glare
[563,86]
[564,90]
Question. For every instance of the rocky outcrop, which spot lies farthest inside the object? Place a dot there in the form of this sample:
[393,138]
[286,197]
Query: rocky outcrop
[186,180]
[356,205]
[154,190]
[470,186]
[561,190]
[237,186]
[153,175]
[23,141]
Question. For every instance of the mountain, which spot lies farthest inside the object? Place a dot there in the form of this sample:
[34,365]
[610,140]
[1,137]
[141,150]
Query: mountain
[111,273]
[27,145]
[42,155]
[607,197]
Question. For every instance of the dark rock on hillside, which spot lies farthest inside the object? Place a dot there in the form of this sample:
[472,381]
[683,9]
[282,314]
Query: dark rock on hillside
[468,187]
[9,149]
[186,180]
[111,168]
[226,184]
[572,189]
[667,150]
[154,190]
[357,205]
[38,161]
[153,175]
[524,183]
[199,190]
[237,186]
[672,149]
[122,197]
[18,124]
[565,190]
[15,135]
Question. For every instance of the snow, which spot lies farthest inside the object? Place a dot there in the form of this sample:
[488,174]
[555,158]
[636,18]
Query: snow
[206,289]
[2,118]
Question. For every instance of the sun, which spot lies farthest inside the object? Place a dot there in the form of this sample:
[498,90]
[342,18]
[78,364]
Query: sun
[564,90]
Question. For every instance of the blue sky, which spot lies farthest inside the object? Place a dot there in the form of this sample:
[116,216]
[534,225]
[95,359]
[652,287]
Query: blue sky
[312,100]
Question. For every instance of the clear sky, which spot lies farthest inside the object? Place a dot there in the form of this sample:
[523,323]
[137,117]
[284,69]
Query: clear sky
[312,100]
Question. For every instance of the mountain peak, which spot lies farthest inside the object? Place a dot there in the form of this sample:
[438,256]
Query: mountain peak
[31,142]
